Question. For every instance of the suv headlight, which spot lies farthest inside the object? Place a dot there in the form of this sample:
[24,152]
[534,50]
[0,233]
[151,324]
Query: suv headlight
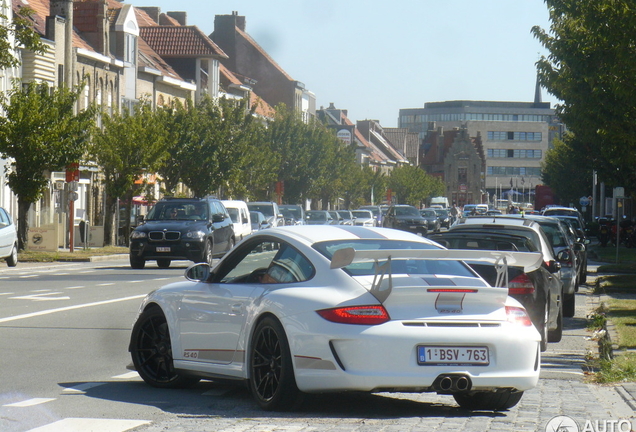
[195,235]
[138,235]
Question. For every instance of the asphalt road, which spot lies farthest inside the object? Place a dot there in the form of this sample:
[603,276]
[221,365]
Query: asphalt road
[64,330]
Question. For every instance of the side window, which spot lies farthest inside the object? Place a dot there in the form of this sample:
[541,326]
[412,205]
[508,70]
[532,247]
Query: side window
[267,262]
[4,218]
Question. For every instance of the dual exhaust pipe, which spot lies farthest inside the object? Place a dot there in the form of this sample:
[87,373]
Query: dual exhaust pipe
[452,383]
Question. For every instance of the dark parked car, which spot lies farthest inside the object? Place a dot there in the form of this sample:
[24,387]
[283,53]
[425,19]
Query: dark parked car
[444,217]
[432,218]
[346,217]
[270,210]
[513,225]
[405,218]
[579,233]
[182,229]
[537,290]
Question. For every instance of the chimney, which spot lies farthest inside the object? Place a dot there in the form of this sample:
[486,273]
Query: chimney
[152,11]
[180,17]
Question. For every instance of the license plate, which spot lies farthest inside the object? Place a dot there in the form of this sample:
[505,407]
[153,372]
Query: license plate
[452,355]
[163,248]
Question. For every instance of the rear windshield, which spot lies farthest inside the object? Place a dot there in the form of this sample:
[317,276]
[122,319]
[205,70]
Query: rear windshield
[401,266]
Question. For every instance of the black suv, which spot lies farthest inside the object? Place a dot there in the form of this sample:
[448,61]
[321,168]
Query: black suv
[182,229]
[405,218]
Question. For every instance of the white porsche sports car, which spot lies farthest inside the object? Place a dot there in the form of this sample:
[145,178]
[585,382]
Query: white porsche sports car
[314,309]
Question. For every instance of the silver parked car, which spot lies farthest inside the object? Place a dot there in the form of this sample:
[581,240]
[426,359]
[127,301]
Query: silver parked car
[8,239]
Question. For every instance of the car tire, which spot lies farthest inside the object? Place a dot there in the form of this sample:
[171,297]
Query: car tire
[272,381]
[544,326]
[488,401]
[569,305]
[556,334]
[12,260]
[230,245]
[207,255]
[151,352]
[164,263]
[137,263]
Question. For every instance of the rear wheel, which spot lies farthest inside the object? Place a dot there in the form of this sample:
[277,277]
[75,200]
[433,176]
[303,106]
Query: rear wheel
[163,262]
[151,352]
[272,381]
[136,262]
[12,260]
[569,305]
[556,334]
[488,401]
[544,327]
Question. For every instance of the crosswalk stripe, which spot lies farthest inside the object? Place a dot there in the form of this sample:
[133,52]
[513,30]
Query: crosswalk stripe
[90,424]
[29,402]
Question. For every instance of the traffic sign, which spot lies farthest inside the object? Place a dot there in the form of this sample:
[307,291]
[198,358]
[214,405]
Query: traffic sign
[584,201]
[73,196]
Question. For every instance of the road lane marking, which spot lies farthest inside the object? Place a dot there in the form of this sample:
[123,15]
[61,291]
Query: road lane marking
[7,293]
[127,376]
[40,297]
[28,276]
[29,402]
[90,424]
[82,387]
[41,290]
[162,278]
[106,284]
[76,287]
[67,308]
[135,281]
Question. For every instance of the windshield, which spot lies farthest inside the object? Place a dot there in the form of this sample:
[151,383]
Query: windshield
[428,213]
[362,214]
[234,214]
[406,211]
[345,214]
[266,209]
[402,266]
[373,210]
[314,216]
[178,211]
[291,212]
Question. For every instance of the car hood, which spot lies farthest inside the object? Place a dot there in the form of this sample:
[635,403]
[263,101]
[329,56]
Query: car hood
[176,225]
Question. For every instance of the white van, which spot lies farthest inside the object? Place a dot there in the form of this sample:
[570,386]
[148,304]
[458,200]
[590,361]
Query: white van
[439,202]
[240,215]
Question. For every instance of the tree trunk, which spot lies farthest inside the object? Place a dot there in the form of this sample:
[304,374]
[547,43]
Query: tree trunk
[109,219]
[23,223]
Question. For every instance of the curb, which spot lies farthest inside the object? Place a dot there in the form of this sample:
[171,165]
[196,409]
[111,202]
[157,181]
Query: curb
[83,259]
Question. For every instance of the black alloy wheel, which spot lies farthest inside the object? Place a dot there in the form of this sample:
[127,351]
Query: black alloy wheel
[544,326]
[272,380]
[569,305]
[151,352]
[207,256]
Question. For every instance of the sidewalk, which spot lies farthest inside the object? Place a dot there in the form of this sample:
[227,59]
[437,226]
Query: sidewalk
[626,390]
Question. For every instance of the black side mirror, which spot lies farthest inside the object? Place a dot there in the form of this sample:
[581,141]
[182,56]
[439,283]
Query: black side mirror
[218,217]
[553,266]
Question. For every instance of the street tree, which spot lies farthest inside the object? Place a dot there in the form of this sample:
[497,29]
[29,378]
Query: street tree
[40,133]
[129,145]
[591,69]
[412,185]
[565,170]
[214,145]
[18,31]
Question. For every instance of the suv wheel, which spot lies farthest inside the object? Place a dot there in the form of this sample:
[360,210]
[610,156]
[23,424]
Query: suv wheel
[207,253]
[137,263]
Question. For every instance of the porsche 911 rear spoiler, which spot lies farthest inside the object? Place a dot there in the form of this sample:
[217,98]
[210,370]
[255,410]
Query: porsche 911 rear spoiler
[529,261]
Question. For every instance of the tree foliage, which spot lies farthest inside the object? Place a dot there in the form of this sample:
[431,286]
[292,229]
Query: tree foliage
[592,69]
[567,171]
[21,30]
[412,185]
[128,145]
[40,133]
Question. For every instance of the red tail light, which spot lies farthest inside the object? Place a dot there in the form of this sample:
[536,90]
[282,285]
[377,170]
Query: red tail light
[521,285]
[517,315]
[365,315]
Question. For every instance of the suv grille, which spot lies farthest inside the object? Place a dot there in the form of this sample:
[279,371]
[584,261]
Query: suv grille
[164,235]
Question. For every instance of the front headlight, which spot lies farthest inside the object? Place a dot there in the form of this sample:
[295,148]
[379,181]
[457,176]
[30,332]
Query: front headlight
[138,235]
[195,235]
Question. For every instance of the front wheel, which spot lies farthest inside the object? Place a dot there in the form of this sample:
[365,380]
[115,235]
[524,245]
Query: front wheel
[556,334]
[151,352]
[137,263]
[569,305]
[12,260]
[207,256]
[488,401]
[272,380]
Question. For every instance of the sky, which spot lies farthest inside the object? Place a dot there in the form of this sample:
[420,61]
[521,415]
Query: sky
[374,57]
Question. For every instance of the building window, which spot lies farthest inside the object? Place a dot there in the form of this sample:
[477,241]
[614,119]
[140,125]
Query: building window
[462,175]
[516,153]
[513,171]
[514,136]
